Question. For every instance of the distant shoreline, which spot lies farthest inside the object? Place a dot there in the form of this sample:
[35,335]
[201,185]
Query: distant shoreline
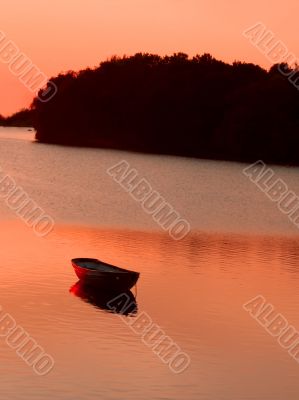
[199,157]
[153,152]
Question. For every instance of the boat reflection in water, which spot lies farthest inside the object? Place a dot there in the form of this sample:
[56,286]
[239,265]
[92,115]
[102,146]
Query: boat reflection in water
[123,302]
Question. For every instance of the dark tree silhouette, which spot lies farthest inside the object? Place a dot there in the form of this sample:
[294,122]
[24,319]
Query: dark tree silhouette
[23,117]
[199,107]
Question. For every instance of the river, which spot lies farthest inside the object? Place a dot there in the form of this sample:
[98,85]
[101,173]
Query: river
[240,246]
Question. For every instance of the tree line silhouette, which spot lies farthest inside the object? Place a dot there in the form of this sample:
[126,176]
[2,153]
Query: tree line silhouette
[23,117]
[198,107]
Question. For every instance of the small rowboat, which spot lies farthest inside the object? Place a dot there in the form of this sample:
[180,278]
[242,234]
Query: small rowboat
[105,276]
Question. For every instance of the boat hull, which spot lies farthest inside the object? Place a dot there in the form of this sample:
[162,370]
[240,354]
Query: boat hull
[116,279]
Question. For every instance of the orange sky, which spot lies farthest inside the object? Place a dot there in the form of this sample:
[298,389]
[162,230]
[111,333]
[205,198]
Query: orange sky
[58,35]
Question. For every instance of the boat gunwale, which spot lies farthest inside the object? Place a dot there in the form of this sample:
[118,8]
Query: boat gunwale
[97,261]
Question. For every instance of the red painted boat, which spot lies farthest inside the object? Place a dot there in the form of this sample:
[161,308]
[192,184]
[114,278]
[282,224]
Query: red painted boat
[105,276]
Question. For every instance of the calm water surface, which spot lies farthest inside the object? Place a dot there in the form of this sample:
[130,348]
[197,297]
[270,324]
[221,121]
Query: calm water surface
[240,246]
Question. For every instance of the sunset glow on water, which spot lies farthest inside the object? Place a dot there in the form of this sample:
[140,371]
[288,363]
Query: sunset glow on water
[194,289]
[149,200]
